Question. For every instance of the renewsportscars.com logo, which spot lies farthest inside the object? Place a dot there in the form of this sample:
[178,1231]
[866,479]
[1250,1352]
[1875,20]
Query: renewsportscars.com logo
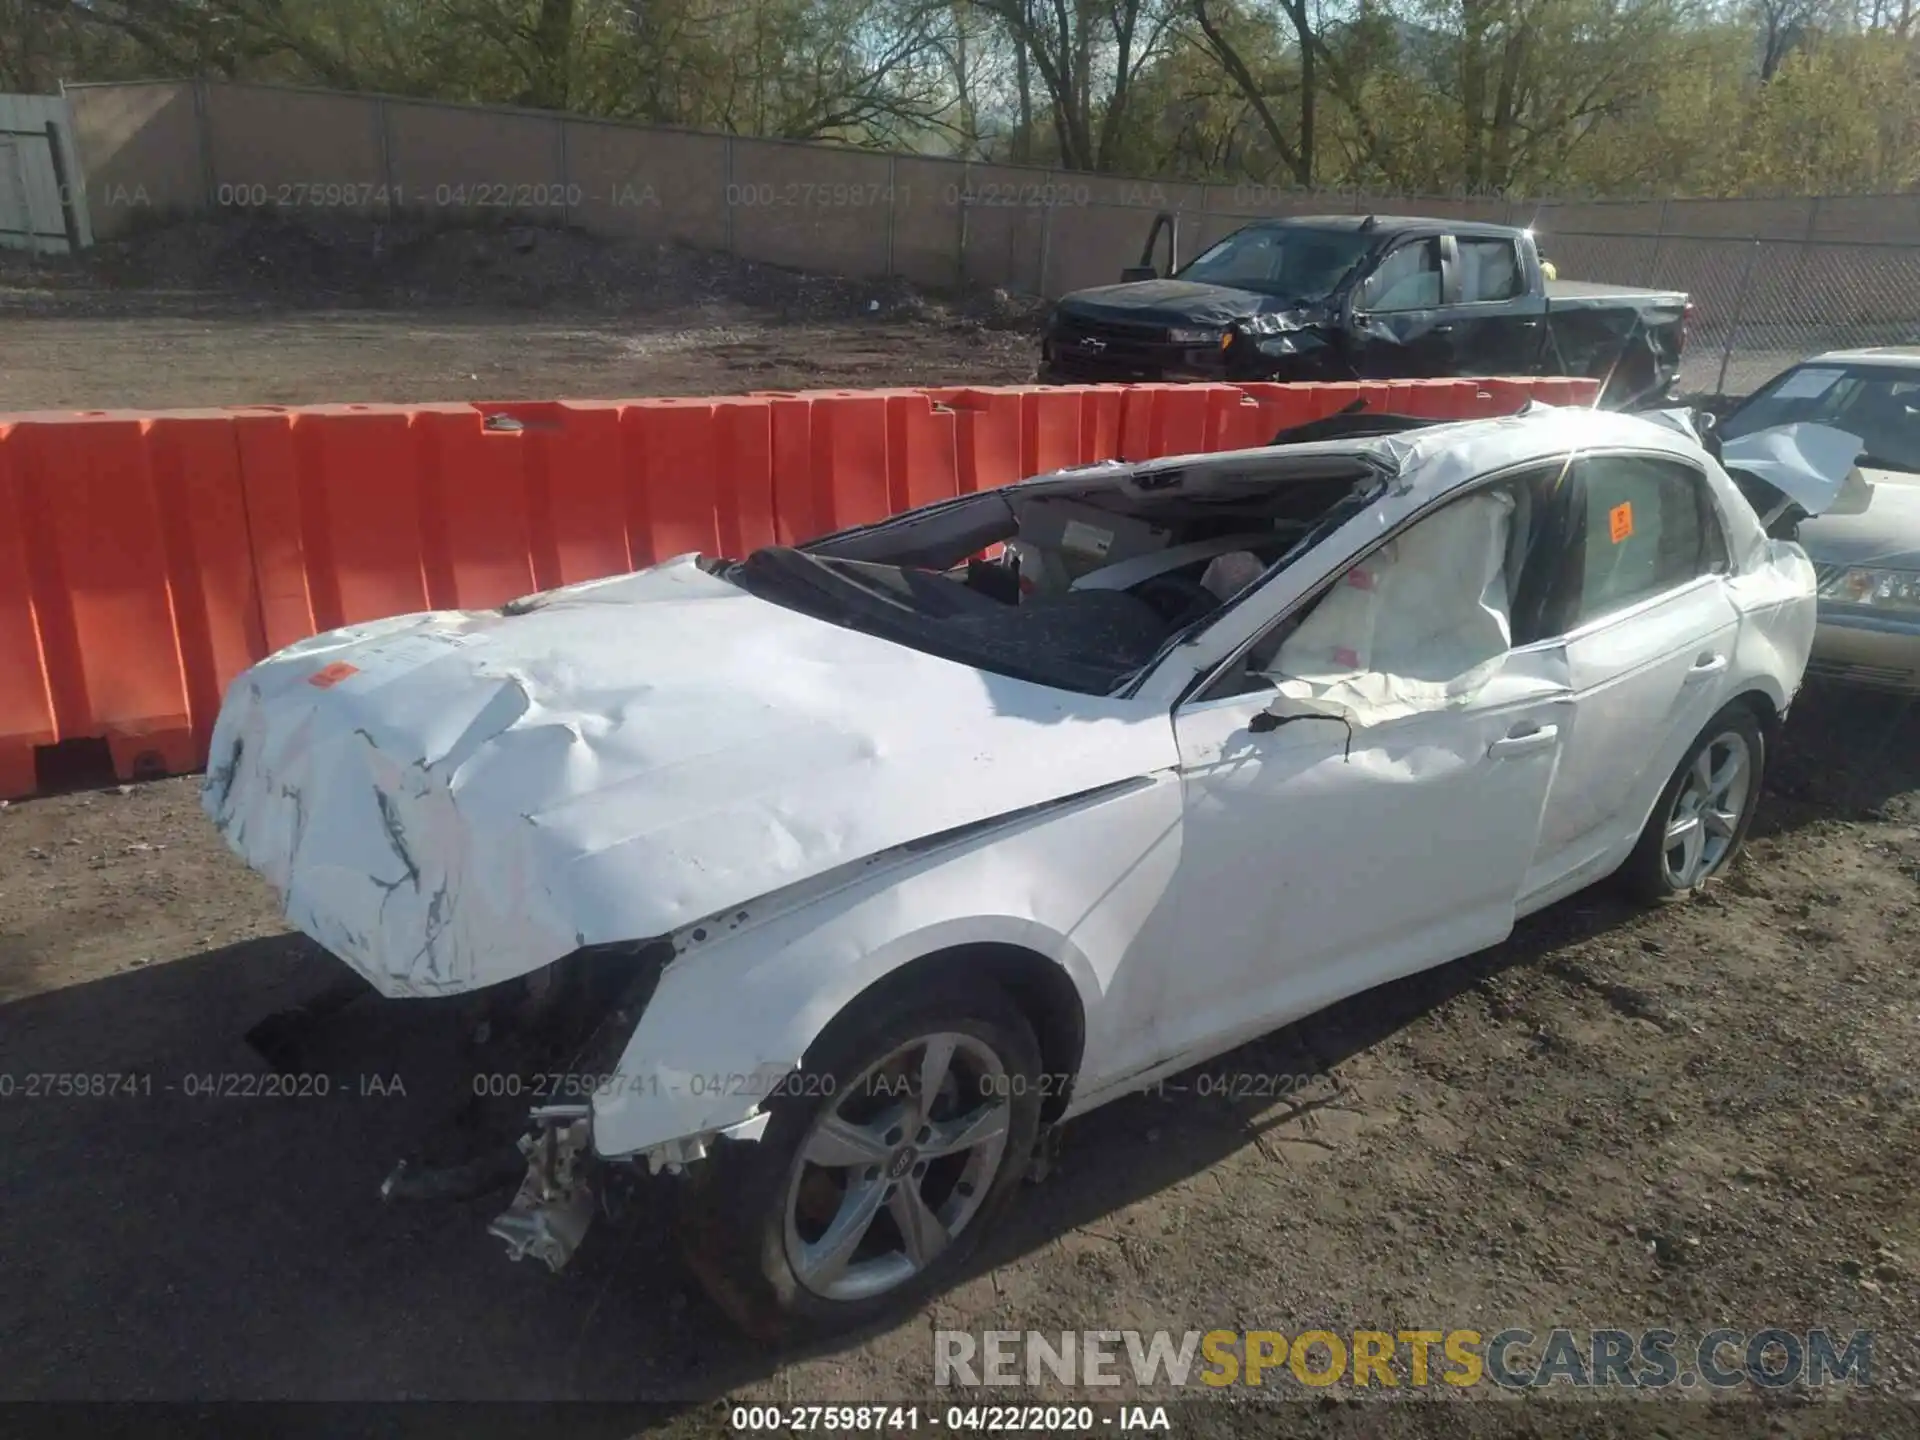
[1509,1359]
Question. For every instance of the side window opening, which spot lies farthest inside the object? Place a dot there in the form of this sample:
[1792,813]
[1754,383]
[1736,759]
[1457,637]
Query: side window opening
[1408,279]
[1489,270]
[1647,526]
[1425,619]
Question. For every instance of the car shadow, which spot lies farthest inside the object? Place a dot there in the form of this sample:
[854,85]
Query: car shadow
[218,1225]
[181,1225]
[1844,753]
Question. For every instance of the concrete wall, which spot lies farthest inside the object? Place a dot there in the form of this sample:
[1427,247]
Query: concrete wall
[296,150]
[141,152]
[178,147]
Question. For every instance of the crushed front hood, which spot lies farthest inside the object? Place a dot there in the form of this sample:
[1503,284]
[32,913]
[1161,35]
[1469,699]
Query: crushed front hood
[1170,302]
[1806,463]
[450,800]
[1811,464]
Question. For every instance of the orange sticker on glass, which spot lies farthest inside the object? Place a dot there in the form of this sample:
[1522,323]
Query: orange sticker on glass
[1620,521]
[332,675]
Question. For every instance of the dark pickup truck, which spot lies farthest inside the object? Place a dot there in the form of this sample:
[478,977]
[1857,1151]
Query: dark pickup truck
[1338,297]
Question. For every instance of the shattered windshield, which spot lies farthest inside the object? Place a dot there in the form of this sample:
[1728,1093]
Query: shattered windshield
[1880,404]
[1289,262]
[1076,590]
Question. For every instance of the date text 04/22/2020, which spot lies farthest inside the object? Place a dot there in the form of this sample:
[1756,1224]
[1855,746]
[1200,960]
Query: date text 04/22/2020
[960,1419]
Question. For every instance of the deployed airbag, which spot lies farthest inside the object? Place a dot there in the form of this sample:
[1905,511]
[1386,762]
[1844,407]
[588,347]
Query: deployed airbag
[1420,624]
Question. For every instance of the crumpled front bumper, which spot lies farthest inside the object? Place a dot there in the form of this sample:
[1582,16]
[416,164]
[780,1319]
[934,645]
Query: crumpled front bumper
[362,833]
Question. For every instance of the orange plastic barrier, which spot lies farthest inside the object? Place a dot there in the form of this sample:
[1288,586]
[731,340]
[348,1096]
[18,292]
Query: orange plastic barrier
[147,559]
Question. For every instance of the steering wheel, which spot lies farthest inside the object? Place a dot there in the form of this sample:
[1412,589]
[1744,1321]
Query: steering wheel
[1176,598]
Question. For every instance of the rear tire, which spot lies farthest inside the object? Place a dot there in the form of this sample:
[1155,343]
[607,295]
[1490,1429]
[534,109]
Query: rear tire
[854,1144]
[1700,821]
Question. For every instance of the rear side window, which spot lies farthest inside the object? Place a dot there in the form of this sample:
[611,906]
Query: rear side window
[1649,527]
[1489,270]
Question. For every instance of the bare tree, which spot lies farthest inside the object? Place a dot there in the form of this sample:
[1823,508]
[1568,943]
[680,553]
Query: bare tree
[1065,41]
[1295,147]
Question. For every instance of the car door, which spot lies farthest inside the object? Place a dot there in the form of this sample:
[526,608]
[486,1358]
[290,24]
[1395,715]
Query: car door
[1648,627]
[1319,858]
[1397,329]
[1496,317]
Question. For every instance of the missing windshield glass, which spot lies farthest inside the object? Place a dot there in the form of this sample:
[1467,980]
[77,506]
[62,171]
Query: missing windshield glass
[1076,580]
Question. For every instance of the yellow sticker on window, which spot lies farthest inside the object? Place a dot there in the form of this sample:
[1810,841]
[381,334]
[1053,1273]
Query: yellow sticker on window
[1620,521]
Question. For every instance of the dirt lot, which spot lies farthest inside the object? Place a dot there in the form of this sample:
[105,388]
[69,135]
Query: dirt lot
[1694,1117]
[260,313]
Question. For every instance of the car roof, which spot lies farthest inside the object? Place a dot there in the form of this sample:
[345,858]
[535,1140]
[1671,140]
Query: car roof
[1441,457]
[1387,225]
[1903,355]
[1444,456]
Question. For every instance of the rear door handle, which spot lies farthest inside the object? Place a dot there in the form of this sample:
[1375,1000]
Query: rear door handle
[1708,664]
[1523,742]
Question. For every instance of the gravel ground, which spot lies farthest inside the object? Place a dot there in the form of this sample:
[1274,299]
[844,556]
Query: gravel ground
[1697,1116]
[261,312]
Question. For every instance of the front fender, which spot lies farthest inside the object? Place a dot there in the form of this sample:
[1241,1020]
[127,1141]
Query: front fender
[737,1010]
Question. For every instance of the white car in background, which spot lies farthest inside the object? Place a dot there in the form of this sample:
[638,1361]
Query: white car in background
[1867,552]
[878,856]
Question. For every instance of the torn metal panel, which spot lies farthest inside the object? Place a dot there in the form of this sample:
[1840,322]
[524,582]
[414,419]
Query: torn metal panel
[554,1206]
[1812,465]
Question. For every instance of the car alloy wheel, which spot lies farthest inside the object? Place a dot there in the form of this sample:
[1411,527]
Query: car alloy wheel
[896,1166]
[1703,823]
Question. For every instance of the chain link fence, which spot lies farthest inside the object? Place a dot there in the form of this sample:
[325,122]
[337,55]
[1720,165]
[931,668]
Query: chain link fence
[1759,305]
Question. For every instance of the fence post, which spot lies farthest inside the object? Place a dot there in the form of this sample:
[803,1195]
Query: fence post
[203,133]
[960,253]
[1739,310]
[1804,253]
[893,200]
[380,134]
[69,216]
[566,175]
[1046,245]
[728,194]
[1659,243]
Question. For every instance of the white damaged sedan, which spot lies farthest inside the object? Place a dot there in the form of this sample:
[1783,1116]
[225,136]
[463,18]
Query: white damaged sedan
[878,856]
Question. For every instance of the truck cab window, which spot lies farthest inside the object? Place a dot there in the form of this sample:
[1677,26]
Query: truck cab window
[1489,270]
[1408,279]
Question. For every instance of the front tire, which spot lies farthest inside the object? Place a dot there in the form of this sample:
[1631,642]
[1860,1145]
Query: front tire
[899,1141]
[1700,821]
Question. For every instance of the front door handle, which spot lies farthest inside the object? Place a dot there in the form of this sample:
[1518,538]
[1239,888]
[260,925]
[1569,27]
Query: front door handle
[1708,664]
[1523,742]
